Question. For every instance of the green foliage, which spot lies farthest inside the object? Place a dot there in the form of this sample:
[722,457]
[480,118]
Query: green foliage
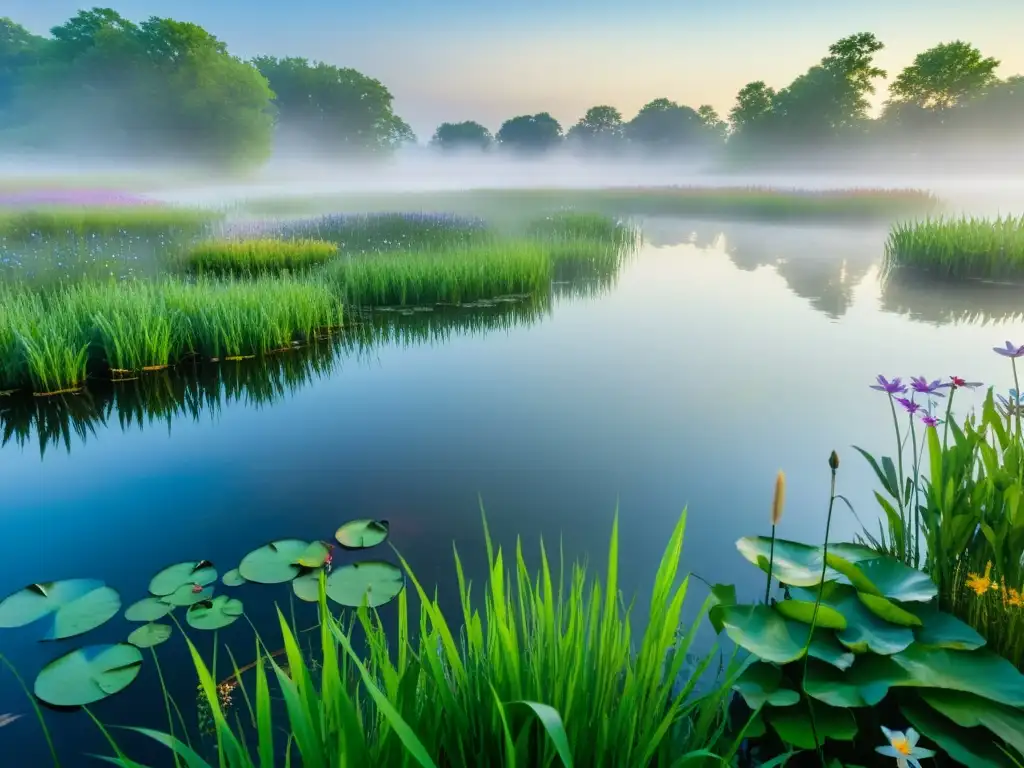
[945,76]
[257,256]
[906,661]
[601,128]
[967,247]
[67,221]
[664,126]
[465,135]
[530,133]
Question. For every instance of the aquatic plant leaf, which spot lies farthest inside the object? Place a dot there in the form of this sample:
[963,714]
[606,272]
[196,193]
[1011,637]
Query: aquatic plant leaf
[765,632]
[825,647]
[233,578]
[307,587]
[149,635]
[980,672]
[961,744]
[800,610]
[795,564]
[186,595]
[87,675]
[793,724]
[854,553]
[944,630]
[375,581]
[853,575]
[214,614]
[361,534]
[864,630]
[85,613]
[721,595]
[888,610]
[760,684]
[971,711]
[874,675]
[829,685]
[897,581]
[36,600]
[315,555]
[172,577]
[148,609]
[273,563]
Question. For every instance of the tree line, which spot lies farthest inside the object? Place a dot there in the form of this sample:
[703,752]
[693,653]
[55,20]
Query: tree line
[101,84]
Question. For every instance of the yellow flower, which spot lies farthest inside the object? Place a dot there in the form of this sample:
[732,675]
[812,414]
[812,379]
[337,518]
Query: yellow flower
[1015,598]
[981,584]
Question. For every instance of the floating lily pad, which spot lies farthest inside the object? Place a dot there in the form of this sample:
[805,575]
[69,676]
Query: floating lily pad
[361,534]
[87,675]
[233,578]
[149,635]
[36,600]
[83,614]
[800,610]
[793,563]
[793,724]
[172,577]
[897,581]
[214,614]
[186,595]
[761,684]
[375,581]
[148,609]
[864,629]
[273,563]
[764,632]
[307,587]
[315,555]
[943,630]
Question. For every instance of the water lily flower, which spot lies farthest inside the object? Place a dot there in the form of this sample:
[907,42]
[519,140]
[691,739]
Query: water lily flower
[904,747]
[955,382]
[908,405]
[922,385]
[1010,350]
[894,387]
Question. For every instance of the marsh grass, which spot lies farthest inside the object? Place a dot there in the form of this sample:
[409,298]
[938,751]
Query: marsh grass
[389,231]
[63,221]
[963,247]
[547,673]
[257,256]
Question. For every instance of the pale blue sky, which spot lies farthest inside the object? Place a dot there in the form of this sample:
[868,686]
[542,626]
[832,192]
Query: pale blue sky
[475,60]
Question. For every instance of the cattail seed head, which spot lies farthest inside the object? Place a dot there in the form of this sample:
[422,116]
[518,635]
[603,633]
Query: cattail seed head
[833,461]
[779,500]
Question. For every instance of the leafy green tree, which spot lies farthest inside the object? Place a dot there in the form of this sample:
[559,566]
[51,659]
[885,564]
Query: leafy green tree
[945,76]
[19,50]
[465,135]
[530,133]
[709,116]
[754,104]
[663,125]
[335,109]
[601,128]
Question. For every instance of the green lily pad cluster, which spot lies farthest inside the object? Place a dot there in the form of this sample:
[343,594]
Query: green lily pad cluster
[880,647]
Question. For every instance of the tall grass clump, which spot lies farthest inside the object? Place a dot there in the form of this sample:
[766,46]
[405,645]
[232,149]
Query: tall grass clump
[103,221]
[371,233]
[541,669]
[963,247]
[134,327]
[257,256]
[449,276]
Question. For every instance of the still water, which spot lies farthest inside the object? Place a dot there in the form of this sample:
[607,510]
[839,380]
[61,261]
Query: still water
[721,354]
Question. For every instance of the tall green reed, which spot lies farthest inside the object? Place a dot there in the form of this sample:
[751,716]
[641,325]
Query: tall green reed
[963,247]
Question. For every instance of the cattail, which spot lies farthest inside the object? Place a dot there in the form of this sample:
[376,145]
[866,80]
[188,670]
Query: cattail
[833,461]
[779,500]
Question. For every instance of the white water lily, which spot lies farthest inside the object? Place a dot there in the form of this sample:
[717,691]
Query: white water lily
[903,746]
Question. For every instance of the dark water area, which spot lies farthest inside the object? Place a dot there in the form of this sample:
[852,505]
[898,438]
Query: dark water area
[721,354]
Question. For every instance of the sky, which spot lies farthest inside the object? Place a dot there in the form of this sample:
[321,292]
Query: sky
[454,60]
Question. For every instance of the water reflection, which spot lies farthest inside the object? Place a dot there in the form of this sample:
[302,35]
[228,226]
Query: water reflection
[941,302]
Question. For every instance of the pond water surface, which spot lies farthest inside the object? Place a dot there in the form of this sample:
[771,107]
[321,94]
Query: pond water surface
[722,353]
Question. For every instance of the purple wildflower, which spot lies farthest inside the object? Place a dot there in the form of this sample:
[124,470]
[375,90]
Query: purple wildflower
[894,387]
[955,382]
[908,405]
[922,385]
[1010,350]
[929,420]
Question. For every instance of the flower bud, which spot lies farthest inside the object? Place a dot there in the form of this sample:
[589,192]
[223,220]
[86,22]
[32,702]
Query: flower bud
[833,461]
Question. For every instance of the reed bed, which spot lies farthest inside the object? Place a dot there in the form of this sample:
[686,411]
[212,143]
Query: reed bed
[49,342]
[257,256]
[383,232]
[965,247]
[451,276]
[103,221]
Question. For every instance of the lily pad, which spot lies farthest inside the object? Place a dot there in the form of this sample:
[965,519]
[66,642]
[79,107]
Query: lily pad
[85,613]
[830,686]
[315,555]
[980,672]
[761,683]
[214,614]
[793,724]
[888,610]
[796,564]
[87,675]
[864,630]
[172,577]
[944,630]
[961,744]
[897,581]
[827,648]
[801,610]
[764,632]
[377,582]
[233,578]
[273,563]
[148,609]
[307,587]
[36,600]
[361,534]
[970,711]
[149,635]
[186,595]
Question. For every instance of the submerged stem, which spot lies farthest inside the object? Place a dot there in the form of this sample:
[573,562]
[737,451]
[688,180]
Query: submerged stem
[899,479]
[167,703]
[35,706]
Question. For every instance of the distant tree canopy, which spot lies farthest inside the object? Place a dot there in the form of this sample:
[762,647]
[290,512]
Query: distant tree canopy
[601,128]
[101,83]
[530,133]
[465,135]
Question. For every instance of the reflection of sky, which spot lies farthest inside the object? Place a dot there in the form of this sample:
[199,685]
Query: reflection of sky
[461,60]
[691,383]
